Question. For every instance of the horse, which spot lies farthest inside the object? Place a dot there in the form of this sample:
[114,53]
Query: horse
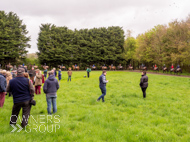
[45,67]
[93,68]
[120,67]
[9,66]
[62,67]
[104,68]
[143,68]
[130,67]
[35,67]
[112,67]
[75,68]
[165,69]
[155,69]
[172,70]
[178,70]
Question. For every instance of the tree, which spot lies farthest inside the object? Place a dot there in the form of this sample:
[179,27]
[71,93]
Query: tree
[13,38]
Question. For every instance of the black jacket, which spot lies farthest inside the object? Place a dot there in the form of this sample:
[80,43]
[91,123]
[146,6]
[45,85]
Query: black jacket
[144,81]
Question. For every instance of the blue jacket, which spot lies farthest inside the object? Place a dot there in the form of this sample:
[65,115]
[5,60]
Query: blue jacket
[19,87]
[102,80]
[59,75]
[3,83]
[51,85]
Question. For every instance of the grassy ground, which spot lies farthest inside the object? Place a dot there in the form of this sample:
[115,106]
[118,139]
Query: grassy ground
[125,116]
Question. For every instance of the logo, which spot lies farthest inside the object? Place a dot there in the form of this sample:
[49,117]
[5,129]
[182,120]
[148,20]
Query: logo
[39,123]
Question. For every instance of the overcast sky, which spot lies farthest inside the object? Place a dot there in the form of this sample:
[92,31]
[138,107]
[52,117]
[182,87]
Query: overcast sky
[135,15]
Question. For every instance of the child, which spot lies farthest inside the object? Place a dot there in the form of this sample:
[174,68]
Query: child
[59,75]
[69,74]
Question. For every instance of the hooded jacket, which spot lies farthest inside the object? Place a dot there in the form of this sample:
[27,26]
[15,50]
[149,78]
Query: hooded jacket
[51,86]
[144,81]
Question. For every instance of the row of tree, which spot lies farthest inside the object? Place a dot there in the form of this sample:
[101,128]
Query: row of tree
[164,44]
[13,38]
[60,45]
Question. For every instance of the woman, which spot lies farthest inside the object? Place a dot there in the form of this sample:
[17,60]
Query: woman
[8,78]
[38,82]
[26,75]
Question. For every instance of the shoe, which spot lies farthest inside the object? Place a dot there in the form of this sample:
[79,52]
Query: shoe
[103,101]
[97,100]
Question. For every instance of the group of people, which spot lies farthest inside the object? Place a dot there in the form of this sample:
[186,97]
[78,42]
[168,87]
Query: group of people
[23,85]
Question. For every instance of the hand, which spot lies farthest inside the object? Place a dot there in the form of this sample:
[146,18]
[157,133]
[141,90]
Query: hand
[107,80]
[4,93]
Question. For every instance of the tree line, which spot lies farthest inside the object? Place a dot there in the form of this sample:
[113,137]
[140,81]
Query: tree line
[163,44]
[84,47]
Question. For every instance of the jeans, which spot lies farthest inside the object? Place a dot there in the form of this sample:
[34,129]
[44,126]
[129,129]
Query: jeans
[144,92]
[53,101]
[103,90]
[69,77]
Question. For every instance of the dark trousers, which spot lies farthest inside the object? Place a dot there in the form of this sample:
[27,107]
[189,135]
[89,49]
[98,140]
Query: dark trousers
[144,92]
[103,90]
[26,107]
[88,74]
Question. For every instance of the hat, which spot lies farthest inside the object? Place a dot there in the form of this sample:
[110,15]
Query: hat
[20,71]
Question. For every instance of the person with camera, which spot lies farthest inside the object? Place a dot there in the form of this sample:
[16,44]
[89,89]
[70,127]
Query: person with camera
[23,93]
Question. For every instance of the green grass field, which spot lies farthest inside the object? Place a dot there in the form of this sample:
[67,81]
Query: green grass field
[125,116]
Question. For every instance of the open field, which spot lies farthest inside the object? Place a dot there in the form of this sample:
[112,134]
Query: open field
[125,116]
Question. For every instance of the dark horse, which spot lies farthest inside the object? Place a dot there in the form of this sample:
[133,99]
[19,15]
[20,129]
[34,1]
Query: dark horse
[165,69]
[155,69]
[178,71]
[143,68]
[172,70]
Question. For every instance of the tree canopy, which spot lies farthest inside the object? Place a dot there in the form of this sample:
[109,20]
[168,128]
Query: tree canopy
[13,38]
[60,45]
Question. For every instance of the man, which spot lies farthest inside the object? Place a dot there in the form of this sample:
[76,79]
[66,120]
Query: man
[50,88]
[23,92]
[54,71]
[102,85]
[144,83]
[3,85]
[88,71]
[32,74]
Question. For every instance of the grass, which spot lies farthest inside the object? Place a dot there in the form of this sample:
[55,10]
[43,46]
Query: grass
[125,116]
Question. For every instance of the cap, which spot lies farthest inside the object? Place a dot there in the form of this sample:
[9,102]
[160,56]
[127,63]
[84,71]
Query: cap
[20,70]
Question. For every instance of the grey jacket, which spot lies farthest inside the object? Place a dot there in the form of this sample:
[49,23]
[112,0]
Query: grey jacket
[144,81]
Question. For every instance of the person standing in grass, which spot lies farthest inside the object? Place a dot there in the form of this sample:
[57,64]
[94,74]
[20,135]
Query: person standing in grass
[3,85]
[45,73]
[59,75]
[50,88]
[38,82]
[144,83]
[88,71]
[102,85]
[69,74]
[23,92]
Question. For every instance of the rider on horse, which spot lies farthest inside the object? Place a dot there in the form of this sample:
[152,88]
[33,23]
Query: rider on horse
[178,67]
[172,67]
